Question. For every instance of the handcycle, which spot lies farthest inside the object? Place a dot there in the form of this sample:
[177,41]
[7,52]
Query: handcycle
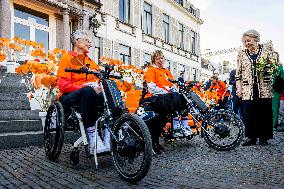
[130,141]
[221,129]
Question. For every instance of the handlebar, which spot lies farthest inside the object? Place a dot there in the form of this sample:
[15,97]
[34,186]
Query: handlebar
[100,74]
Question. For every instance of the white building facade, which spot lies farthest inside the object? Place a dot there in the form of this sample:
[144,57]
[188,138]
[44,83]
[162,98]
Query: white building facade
[224,61]
[129,30]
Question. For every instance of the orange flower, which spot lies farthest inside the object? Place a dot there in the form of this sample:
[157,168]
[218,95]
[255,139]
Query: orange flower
[2,57]
[56,51]
[16,38]
[63,51]
[12,46]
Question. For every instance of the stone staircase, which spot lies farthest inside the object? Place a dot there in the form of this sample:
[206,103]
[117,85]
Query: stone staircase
[19,126]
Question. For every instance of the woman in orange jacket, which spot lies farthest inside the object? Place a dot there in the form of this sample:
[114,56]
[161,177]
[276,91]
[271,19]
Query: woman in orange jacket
[164,97]
[81,90]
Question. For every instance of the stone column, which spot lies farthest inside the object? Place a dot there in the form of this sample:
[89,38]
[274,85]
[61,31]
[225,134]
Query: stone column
[66,30]
[5,19]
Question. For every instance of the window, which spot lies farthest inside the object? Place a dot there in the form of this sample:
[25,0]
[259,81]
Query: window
[125,54]
[193,42]
[192,10]
[167,64]
[181,36]
[97,49]
[147,59]
[166,26]
[180,2]
[31,25]
[194,74]
[124,11]
[147,19]
[226,67]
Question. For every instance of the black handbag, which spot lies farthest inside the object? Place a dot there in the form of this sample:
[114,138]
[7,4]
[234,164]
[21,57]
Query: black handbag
[278,85]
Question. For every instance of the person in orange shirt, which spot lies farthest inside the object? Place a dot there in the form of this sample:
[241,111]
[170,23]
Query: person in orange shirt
[163,96]
[81,90]
[222,91]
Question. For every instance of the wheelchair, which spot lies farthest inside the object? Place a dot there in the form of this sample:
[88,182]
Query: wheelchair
[221,129]
[130,141]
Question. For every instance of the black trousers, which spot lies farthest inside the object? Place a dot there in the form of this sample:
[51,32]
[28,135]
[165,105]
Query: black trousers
[222,103]
[238,106]
[88,102]
[258,118]
[164,105]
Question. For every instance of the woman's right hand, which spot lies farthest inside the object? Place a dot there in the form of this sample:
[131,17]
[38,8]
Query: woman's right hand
[98,89]
[239,93]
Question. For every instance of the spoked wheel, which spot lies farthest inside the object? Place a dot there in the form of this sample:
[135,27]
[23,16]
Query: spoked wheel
[131,148]
[223,130]
[74,156]
[54,131]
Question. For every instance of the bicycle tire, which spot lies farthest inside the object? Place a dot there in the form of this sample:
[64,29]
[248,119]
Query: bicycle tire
[142,129]
[234,119]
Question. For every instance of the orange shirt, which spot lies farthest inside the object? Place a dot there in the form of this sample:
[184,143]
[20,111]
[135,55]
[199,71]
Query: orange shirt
[220,87]
[159,76]
[68,81]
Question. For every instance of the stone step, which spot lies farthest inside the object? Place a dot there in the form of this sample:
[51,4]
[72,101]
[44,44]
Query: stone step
[14,126]
[13,88]
[26,139]
[13,97]
[19,115]
[10,77]
[3,70]
[14,105]
[10,80]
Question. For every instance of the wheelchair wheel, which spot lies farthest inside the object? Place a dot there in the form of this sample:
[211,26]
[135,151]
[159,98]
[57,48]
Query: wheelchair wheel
[74,156]
[54,131]
[224,130]
[131,148]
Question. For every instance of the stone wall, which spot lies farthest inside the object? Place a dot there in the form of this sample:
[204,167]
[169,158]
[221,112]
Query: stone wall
[174,37]
[136,13]
[107,47]
[157,22]
[136,57]
[116,50]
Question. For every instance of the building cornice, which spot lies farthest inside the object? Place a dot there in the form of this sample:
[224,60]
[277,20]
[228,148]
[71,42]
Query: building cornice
[221,52]
[184,10]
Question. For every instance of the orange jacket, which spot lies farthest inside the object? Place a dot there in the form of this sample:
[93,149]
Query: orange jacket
[220,87]
[67,81]
[159,76]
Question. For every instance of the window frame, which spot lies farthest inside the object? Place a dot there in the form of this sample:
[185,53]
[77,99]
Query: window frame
[193,42]
[98,46]
[181,36]
[147,19]
[166,28]
[125,55]
[32,24]
[125,11]
[180,2]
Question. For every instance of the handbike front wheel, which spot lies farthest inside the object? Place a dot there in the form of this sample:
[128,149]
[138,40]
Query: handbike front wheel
[223,130]
[131,148]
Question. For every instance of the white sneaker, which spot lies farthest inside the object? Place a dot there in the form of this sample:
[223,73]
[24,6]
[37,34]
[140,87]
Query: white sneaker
[107,139]
[187,131]
[177,134]
[100,146]
[176,124]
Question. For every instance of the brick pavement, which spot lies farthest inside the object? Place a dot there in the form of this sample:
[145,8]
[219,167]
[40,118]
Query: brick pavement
[186,164]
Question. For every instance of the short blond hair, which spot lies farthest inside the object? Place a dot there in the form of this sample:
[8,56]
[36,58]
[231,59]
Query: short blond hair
[155,54]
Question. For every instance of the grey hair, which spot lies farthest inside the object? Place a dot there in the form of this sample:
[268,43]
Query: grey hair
[79,34]
[252,33]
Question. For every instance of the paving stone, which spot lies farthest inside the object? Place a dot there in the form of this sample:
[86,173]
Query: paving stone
[184,164]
